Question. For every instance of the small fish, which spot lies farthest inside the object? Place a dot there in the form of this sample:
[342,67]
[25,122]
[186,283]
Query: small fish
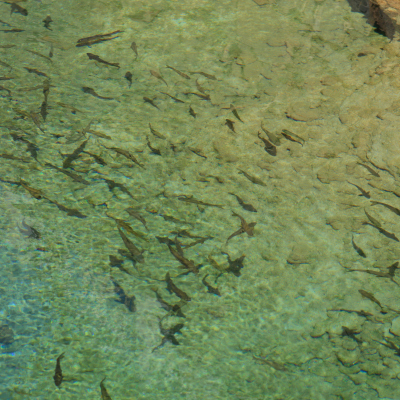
[173,98]
[126,154]
[292,137]
[210,289]
[187,264]
[373,220]
[175,309]
[363,192]
[245,206]
[133,213]
[350,333]
[274,140]
[73,176]
[71,212]
[40,55]
[384,232]
[190,199]
[235,266]
[29,231]
[88,41]
[251,178]
[392,269]
[391,345]
[147,100]
[127,301]
[391,208]
[230,124]
[201,95]
[179,72]
[245,227]
[74,155]
[92,92]
[369,296]
[43,110]
[4,64]
[97,58]
[128,77]
[16,8]
[357,249]
[234,111]
[379,274]
[35,71]
[36,193]
[51,50]
[73,109]
[158,76]
[369,169]
[117,263]
[112,184]
[169,335]
[14,30]
[47,21]
[205,74]
[152,149]
[104,393]
[172,288]
[192,112]
[156,133]
[134,48]
[58,376]
[136,254]
[268,146]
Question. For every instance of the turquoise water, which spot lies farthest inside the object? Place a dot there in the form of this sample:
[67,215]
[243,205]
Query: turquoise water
[214,191]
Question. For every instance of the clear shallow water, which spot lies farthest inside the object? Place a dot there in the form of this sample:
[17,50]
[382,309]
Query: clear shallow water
[292,66]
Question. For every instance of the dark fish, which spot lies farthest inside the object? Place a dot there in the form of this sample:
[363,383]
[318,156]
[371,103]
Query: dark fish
[245,227]
[392,346]
[97,58]
[172,288]
[230,124]
[104,393]
[147,100]
[268,146]
[350,333]
[73,176]
[187,264]
[134,48]
[251,178]
[205,74]
[192,112]
[126,154]
[43,110]
[369,296]
[14,30]
[136,254]
[363,192]
[74,155]
[169,335]
[203,96]
[384,232]
[235,266]
[245,206]
[112,184]
[128,301]
[156,133]
[173,98]
[292,137]
[174,309]
[373,220]
[58,376]
[357,249]
[133,213]
[91,91]
[29,231]
[117,263]
[392,269]
[152,149]
[179,72]
[39,54]
[369,169]
[88,41]
[210,289]
[190,199]
[47,21]
[97,158]
[128,77]
[35,71]
[71,212]
[36,193]
[16,8]
[388,206]
[158,76]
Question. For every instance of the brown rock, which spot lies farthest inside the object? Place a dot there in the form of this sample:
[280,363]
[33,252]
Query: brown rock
[385,13]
